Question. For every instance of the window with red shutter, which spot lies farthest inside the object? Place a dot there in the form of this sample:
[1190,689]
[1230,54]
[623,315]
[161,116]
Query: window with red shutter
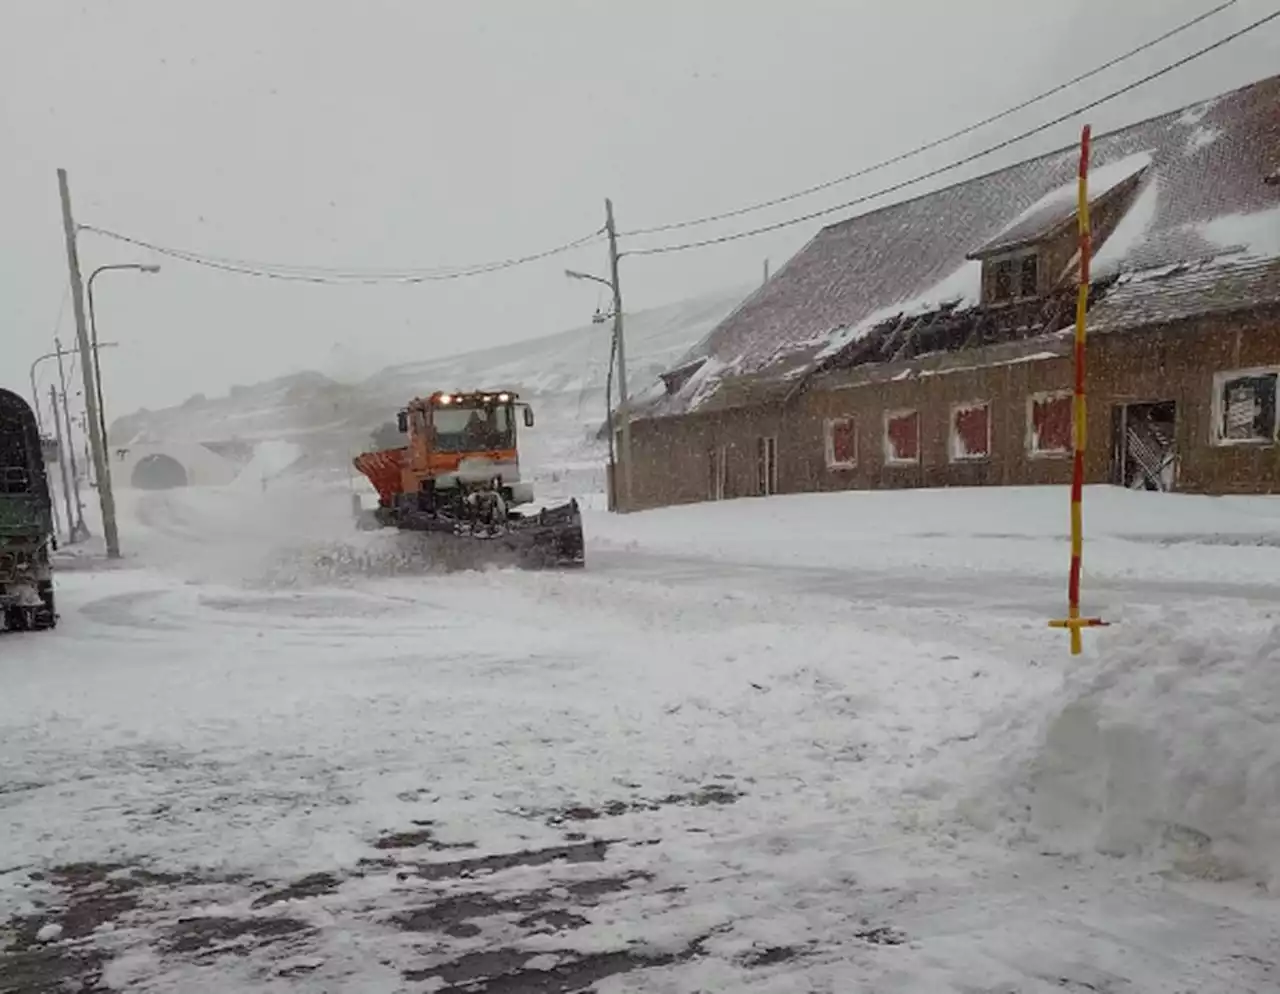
[902,437]
[970,431]
[1049,424]
[841,443]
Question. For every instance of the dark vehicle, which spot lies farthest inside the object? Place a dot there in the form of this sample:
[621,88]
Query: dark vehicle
[26,521]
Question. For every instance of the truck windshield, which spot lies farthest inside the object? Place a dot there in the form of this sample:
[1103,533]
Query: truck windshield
[471,429]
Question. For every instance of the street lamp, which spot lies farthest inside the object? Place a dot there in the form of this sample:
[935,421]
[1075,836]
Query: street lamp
[624,403]
[35,396]
[75,523]
[575,274]
[93,332]
[599,317]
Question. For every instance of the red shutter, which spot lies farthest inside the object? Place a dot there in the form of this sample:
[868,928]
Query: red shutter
[844,441]
[971,426]
[1051,424]
[902,432]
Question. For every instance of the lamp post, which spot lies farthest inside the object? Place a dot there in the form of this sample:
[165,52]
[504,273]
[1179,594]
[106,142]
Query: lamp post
[624,403]
[75,523]
[53,355]
[93,331]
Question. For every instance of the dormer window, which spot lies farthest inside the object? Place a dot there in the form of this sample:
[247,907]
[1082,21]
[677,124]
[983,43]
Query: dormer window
[1003,290]
[1029,276]
[1032,255]
[1011,277]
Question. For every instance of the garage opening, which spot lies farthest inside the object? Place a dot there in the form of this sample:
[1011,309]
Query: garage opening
[158,472]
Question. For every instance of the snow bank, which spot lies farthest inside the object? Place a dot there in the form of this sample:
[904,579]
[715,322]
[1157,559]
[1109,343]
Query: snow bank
[960,532]
[1170,745]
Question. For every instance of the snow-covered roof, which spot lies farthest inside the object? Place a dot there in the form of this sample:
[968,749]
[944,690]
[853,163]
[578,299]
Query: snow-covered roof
[1058,206]
[1198,194]
[1181,291]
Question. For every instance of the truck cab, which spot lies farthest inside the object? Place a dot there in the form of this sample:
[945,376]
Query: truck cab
[464,438]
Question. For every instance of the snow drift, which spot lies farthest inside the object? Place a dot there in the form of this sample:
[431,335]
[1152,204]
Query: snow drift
[1169,746]
[271,457]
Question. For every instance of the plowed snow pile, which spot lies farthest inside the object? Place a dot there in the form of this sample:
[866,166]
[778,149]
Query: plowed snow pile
[1169,746]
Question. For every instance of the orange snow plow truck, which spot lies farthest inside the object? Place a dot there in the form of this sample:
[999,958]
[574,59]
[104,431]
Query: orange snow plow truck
[458,479]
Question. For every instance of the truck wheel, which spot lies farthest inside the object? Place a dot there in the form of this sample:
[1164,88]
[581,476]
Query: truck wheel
[17,619]
[46,615]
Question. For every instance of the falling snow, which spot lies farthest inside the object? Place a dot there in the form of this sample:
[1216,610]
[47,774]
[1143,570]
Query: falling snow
[814,742]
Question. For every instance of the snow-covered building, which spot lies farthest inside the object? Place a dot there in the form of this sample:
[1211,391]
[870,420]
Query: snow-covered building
[928,343]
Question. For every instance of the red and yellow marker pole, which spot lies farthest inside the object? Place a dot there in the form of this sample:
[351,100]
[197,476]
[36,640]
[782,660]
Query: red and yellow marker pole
[1073,622]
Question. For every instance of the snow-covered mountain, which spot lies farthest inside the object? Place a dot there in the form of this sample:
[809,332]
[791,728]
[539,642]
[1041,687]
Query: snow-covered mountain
[562,375]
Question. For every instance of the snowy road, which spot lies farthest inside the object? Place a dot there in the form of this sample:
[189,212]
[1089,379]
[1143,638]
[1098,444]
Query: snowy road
[244,762]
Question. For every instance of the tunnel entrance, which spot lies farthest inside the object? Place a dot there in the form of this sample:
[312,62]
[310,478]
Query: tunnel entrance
[158,472]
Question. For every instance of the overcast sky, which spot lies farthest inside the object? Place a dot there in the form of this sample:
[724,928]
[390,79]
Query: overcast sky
[409,133]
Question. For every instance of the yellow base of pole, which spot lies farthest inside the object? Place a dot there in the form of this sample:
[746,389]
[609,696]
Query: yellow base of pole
[1074,625]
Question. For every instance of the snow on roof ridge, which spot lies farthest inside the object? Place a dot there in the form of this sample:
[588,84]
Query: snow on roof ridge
[1059,205]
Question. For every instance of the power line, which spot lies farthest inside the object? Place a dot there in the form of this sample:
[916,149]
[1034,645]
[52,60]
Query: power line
[339,277]
[920,149]
[337,272]
[989,150]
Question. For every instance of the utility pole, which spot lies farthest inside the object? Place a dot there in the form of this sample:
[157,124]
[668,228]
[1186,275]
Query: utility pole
[62,464]
[101,468]
[766,272]
[77,531]
[84,430]
[624,401]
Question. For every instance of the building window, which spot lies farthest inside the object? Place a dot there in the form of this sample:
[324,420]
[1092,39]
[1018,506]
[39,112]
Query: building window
[1003,289]
[1014,277]
[1244,407]
[1029,277]
[970,431]
[1049,424]
[767,465]
[841,443]
[902,438]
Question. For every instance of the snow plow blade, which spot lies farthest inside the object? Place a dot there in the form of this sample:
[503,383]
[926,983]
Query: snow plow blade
[550,538]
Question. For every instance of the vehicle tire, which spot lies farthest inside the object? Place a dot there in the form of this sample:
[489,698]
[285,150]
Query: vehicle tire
[46,615]
[16,619]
